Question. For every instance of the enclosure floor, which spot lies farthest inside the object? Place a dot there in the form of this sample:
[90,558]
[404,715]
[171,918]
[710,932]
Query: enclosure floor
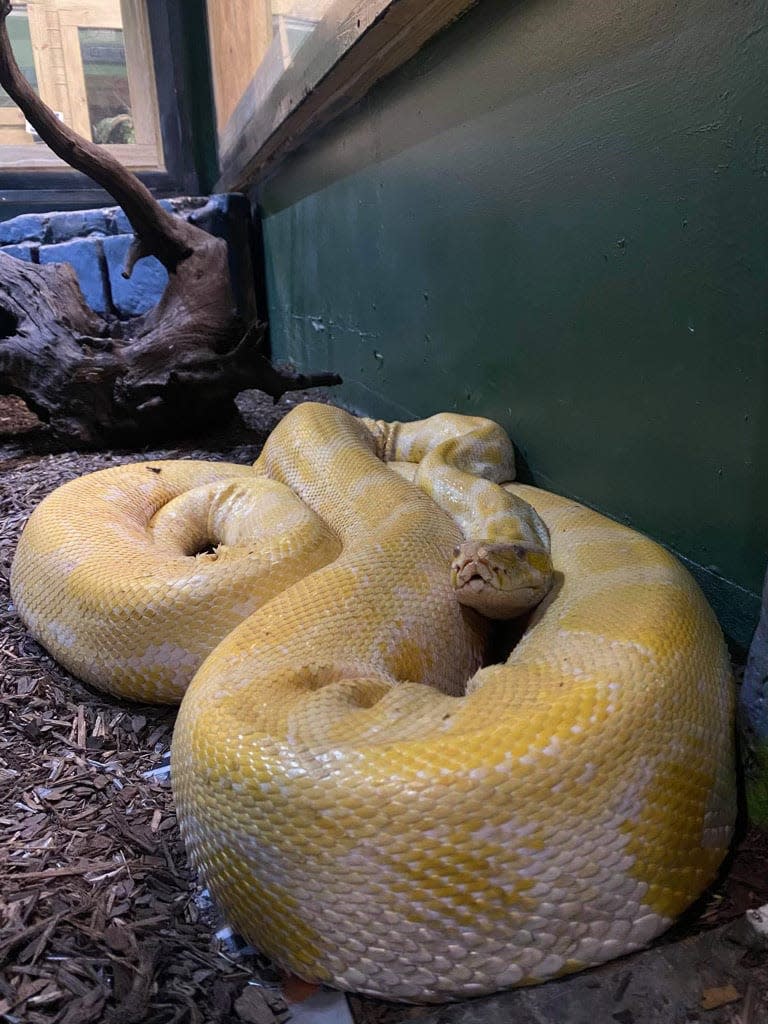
[100,917]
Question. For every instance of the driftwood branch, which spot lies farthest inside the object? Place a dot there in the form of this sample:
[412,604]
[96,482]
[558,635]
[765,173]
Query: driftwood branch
[158,375]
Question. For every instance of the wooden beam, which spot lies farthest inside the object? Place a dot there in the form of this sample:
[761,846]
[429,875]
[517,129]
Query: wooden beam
[353,47]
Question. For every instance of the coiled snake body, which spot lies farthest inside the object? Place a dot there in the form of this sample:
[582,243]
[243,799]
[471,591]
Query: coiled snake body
[361,812]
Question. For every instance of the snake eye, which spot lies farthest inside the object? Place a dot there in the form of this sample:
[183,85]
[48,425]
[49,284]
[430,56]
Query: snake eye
[456,551]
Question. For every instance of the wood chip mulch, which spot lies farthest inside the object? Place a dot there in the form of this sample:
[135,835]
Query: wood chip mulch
[100,917]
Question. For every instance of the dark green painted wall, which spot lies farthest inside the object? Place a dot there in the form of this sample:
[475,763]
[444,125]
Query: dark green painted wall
[556,216]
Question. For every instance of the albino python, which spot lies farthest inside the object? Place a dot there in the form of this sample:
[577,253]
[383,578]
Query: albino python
[367,803]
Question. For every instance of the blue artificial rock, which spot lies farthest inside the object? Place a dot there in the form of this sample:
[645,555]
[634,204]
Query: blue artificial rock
[215,214]
[29,227]
[86,258]
[21,252]
[145,286]
[76,224]
[95,242]
[118,223]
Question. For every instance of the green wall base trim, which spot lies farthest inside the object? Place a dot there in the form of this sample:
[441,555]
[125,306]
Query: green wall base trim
[362,400]
[737,608]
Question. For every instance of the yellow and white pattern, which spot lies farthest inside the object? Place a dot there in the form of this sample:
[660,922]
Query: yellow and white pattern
[367,803]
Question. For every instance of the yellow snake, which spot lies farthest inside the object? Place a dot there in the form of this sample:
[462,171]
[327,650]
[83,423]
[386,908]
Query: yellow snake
[368,804]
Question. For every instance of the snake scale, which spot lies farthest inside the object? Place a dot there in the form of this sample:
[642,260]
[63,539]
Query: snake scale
[371,800]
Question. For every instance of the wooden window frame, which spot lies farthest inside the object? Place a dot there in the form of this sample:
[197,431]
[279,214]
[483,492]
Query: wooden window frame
[147,152]
[357,43]
[182,90]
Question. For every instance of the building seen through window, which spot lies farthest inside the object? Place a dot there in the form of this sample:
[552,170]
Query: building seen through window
[21,43]
[106,84]
[92,65]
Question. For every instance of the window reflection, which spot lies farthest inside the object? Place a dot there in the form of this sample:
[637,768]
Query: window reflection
[258,48]
[293,21]
[106,85]
[21,44]
[91,64]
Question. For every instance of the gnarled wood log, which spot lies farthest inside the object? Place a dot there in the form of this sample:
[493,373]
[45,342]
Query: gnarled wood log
[153,377]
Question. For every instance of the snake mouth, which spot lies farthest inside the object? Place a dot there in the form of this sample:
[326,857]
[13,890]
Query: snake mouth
[501,581]
[475,576]
[203,547]
[472,570]
[474,583]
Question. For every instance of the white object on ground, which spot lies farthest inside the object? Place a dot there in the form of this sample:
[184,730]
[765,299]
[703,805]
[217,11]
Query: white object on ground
[324,1007]
[758,921]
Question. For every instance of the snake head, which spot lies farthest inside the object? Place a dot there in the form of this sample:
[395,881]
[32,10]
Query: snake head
[500,580]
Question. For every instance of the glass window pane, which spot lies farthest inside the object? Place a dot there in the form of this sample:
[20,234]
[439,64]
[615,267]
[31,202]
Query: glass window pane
[262,41]
[106,85]
[91,63]
[293,22]
[296,30]
[21,44]
[283,68]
